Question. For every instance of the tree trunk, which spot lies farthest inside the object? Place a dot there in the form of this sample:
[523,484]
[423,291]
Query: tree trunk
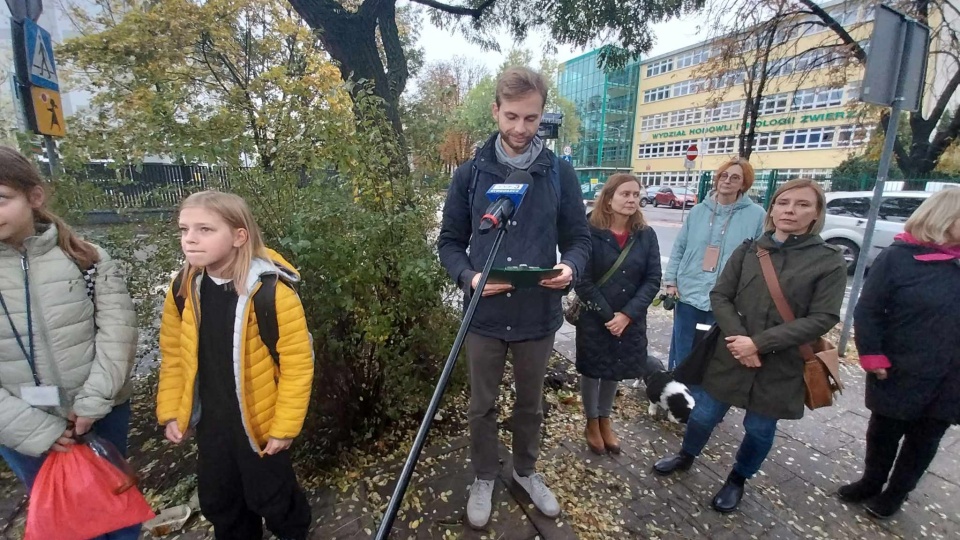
[351,40]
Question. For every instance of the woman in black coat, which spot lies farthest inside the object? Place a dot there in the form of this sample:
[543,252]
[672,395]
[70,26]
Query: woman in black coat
[907,325]
[612,328]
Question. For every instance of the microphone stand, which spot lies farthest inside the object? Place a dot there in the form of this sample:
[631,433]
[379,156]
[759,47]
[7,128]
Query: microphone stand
[404,479]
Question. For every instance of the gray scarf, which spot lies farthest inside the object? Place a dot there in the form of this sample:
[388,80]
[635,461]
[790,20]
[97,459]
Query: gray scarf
[524,160]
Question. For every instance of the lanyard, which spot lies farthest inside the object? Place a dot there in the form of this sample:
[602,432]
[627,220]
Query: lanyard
[30,355]
[723,231]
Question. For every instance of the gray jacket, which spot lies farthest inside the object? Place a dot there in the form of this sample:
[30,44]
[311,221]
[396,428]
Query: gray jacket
[87,352]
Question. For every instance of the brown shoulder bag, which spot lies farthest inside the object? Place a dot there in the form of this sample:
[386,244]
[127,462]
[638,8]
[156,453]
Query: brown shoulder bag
[821,362]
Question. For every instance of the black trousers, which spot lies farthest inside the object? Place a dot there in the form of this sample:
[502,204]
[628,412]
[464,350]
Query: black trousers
[239,490]
[921,440]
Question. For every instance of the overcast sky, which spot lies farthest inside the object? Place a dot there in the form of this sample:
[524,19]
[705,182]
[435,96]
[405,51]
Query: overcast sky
[443,45]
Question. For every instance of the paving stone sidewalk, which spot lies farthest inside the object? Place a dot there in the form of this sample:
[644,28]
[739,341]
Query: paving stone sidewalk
[792,498]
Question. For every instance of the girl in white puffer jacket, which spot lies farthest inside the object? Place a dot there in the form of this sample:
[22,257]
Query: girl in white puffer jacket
[68,331]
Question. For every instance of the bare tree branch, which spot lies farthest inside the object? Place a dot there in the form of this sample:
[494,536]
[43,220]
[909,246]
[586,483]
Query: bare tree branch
[460,11]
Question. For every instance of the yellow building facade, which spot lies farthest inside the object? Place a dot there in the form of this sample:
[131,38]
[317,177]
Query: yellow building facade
[809,119]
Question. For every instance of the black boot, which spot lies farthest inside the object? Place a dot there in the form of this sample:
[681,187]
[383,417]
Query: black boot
[681,461]
[883,441]
[860,491]
[920,444]
[886,504]
[728,498]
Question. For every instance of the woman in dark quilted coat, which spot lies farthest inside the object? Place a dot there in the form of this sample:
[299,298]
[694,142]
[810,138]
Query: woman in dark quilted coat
[907,325]
[612,328]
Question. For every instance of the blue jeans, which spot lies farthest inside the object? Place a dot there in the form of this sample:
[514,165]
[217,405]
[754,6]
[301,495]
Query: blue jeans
[756,444]
[112,427]
[685,321]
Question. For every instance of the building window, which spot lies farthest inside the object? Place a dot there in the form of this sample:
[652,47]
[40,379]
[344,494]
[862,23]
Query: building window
[651,150]
[653,122]
[659,67]
[685,88]
[853,91]
[817,98]
[724,111]
[845,15]
[774,104]
[668,179]
[766,142]
[728,79]
[781,67]
[719,145]
[848,136]
[657,94]
[692,58]
[806,139]
[820,175]
[685,117]
[678,148]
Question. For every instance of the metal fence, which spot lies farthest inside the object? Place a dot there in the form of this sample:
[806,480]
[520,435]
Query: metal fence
[150,185]
[767,182]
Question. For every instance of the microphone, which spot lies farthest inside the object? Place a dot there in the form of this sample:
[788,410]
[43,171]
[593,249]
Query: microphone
[506,199]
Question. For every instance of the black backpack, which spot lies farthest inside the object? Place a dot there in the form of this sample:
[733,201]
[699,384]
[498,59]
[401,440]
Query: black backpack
[264,305]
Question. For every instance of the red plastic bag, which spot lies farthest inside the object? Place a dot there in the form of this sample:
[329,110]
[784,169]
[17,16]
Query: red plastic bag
[78,495]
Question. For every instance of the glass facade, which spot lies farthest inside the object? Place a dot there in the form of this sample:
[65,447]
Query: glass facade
[606,103]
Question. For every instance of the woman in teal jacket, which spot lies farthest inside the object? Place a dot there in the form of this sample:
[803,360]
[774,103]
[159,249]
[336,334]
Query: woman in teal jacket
[714,228]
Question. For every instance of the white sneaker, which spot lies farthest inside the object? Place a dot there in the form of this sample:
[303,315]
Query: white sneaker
[539,493]
[479,503]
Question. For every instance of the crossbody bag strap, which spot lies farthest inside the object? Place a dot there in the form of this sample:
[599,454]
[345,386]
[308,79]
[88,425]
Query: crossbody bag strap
[613,269]
[776,293]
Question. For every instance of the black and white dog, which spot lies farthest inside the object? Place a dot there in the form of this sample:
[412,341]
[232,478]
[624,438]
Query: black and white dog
[667,394]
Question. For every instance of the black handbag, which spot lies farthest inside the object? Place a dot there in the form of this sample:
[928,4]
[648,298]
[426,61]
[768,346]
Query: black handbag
[693,367]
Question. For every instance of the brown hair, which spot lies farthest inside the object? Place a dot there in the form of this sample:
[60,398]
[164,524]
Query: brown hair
[602,215]
[19,173]
[932,221]
[235,212]
[799,183]
[518,81]
[748,173]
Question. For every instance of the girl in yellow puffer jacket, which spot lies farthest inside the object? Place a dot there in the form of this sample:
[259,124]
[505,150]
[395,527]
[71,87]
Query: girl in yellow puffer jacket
[217,375]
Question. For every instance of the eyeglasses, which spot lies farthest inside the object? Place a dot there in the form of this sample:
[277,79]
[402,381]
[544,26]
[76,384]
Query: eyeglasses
[733,177]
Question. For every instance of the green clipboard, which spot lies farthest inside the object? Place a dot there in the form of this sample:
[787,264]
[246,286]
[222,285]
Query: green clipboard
[522,276]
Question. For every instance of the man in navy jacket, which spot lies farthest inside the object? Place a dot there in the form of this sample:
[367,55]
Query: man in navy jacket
[523,321]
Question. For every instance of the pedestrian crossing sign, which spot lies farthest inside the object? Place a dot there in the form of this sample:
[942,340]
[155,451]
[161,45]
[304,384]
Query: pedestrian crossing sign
[40,62]
[48,112]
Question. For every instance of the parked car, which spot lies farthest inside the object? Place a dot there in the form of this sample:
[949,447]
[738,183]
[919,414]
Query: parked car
[846,221]
[674,197]
[648,195]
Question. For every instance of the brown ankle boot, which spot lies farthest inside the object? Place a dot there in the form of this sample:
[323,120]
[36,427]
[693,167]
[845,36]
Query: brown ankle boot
[594,439]
[610,440]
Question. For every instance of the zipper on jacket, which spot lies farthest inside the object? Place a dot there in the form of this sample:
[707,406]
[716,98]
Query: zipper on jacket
[42,330]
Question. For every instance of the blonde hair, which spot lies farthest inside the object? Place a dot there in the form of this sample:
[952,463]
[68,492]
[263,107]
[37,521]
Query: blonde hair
[20,174]
[799,183]
[602,215]
[934,218]
[519,81]
[748,173]
[235,212]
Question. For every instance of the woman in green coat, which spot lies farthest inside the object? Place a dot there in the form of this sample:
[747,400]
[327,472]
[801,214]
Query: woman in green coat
[757,365]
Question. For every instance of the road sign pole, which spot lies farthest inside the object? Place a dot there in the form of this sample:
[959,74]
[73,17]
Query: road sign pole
[890,138]
[51,148]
